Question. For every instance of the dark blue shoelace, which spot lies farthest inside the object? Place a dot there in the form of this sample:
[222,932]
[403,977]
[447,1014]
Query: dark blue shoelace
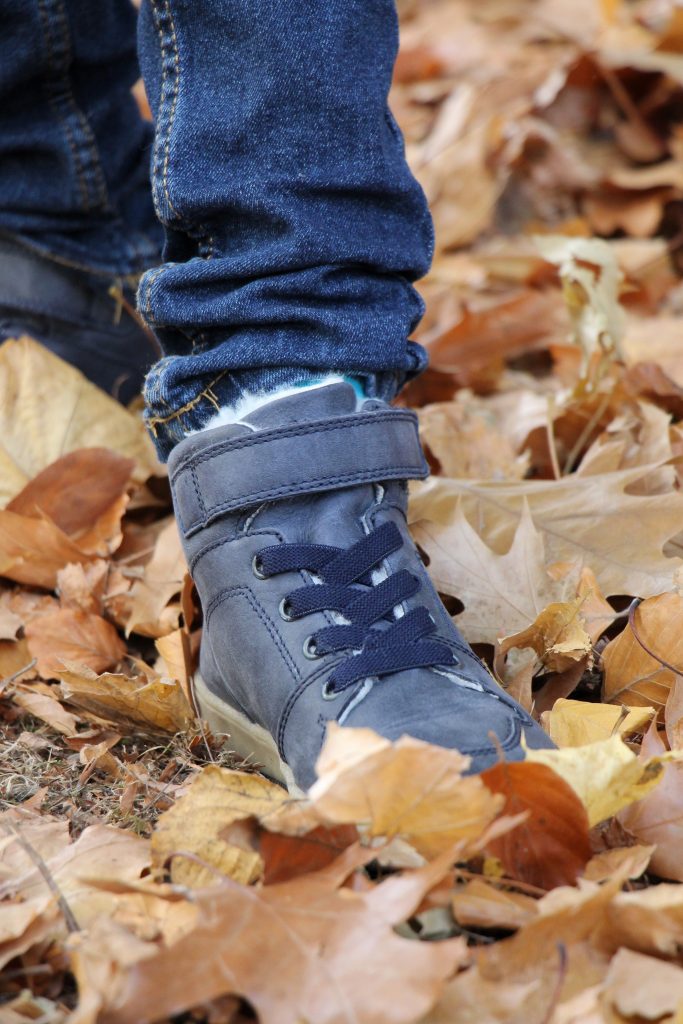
[346,587]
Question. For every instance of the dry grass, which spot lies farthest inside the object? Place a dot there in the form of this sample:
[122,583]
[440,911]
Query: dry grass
[39,766]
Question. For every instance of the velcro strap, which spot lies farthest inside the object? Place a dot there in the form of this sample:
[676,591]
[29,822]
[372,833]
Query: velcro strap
[319,455]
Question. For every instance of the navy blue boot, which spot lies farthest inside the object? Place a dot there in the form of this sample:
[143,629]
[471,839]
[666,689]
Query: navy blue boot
[317,606]
[72,313]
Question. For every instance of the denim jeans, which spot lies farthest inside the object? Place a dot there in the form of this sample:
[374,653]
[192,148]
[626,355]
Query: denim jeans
[293,226]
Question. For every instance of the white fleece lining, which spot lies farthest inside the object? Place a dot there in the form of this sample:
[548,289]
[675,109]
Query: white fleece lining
[249,402]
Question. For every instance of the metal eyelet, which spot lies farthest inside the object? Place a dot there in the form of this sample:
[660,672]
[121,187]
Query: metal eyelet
[257,568]
[328,692]
[309,648]
[285,610]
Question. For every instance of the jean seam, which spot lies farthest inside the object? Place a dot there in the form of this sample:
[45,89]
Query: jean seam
[168,103]
[154,421]
[90,181]
[170,84]
[146,286]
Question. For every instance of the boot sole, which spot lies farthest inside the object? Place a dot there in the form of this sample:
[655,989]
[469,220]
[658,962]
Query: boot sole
[252,742]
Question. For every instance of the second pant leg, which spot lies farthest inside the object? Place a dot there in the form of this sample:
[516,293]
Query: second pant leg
[74,151]
[294,227]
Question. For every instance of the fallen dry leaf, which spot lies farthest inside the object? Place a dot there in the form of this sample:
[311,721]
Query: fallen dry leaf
[466,444]
[408,789]
[138,703]
[163,579]
[25,926]
[575,723]
[591,279]
[83,586]
[646,920]
[177,659]
[199,824]
[628,861]
[582,520]
[502,593]
[606,775]
[478,904]
[631,674]
[551,846]
[558,635]
[35,387]
[33,550]
[48,709]
[73,635]
[658,818]
[78,492]
[341,960]
[642,986]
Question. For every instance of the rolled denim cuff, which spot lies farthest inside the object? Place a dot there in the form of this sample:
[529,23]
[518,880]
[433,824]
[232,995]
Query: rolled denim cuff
[177,406]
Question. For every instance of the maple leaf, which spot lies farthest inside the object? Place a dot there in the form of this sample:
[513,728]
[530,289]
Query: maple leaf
[589,520]
[330,955]
[502,593]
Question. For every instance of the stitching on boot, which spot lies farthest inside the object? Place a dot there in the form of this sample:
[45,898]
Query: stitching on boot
[230,540]
[301,487]
[312,427]
[291,701]
[200,500]
[225,595]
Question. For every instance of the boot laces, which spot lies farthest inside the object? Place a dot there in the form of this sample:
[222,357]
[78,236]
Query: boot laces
[349,585]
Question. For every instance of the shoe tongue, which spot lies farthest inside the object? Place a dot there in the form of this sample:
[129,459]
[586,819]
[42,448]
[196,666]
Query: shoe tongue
[310,404]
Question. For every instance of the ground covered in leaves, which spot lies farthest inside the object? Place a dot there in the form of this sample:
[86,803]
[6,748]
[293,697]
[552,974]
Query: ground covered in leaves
[146,875]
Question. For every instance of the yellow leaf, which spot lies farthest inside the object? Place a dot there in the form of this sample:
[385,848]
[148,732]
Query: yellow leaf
[633,675]
[36,387]
[195,824]
[575,723]
[558,636]
[408,788]
[607,775]
[149,705]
